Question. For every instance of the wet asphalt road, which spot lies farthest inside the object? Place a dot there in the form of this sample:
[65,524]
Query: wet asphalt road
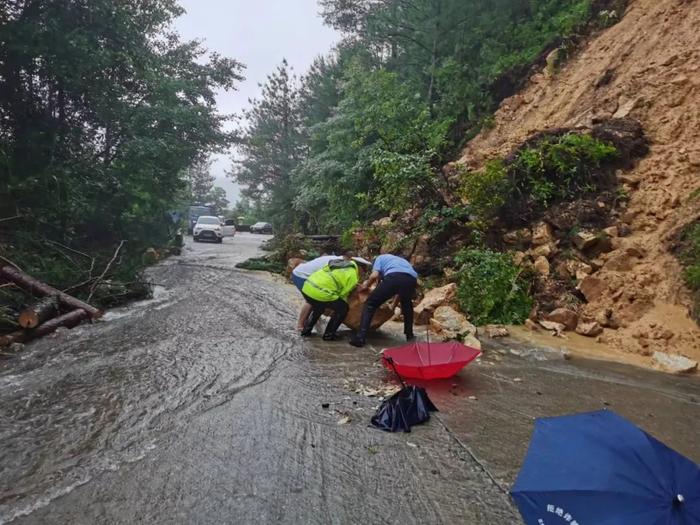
[202,405]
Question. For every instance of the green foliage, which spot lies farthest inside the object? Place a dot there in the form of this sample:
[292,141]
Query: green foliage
[103,109]
[554,168]
[379,117]
[689,256]
[270,148]
[491,288]
[262,264]
[487,190]
[561,168]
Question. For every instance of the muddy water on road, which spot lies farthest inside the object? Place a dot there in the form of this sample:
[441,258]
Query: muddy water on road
[202,405]
[98,397]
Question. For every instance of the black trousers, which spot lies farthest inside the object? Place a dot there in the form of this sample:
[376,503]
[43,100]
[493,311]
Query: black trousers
[340,310]
[401,284]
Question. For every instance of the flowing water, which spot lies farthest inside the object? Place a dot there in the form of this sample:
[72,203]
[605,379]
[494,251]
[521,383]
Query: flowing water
[202,405]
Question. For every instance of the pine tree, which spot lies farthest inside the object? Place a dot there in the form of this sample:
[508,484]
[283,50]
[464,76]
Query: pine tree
[270,146]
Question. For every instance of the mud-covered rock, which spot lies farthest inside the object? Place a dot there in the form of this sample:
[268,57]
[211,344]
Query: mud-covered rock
[451,324]
[542,234]
[496,330]
[356,303]
[589,329]
[541,265]
[627,135]
[433,299]
[585,240]
[292,263]
[676,364]
[592,288]
[607,319]
[556,328]
[564,316]
[519,237]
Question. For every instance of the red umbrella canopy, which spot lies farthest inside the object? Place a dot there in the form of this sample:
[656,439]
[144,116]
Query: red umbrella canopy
[422,360]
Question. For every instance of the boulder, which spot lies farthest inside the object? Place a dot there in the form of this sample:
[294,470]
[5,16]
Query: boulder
[593,243]
[605,318]
[546,250]
[531,325]
[150,256]
[541,265]
[611,231]
[676,364]
[293,263]
[591,329]
[557,328]
[564,316]
[522,236]
[592,288]
[450,324]
[542,234]
[356,302]
[585,240]
[496,330]
[433,299]
[519,258]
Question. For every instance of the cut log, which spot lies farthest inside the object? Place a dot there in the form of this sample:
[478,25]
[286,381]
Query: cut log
[68,320]
[39,313]
[38,288]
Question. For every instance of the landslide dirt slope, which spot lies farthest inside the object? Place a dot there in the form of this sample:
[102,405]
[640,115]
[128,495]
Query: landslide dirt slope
[647,67]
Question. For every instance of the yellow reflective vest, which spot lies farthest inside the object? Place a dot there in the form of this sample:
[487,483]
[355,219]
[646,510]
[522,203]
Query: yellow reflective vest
[327,285]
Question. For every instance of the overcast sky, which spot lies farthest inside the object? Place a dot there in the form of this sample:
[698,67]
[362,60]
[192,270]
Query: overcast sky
[258,33]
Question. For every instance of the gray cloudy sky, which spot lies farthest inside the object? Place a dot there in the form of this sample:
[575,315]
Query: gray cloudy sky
[258,33]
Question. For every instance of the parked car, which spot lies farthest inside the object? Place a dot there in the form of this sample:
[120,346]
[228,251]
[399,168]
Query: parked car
[261,227]
[210,228]
[194,212]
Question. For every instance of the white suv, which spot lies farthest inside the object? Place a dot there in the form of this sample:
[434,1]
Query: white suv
[210,228]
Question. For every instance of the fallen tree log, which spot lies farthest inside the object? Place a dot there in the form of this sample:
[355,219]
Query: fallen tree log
[15,337]
[39,312]
[36,287]
[68,320]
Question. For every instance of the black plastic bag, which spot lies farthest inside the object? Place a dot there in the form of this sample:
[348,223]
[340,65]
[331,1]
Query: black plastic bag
[409,406]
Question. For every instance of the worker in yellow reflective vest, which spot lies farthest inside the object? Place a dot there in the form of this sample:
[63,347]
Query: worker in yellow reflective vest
[329,288]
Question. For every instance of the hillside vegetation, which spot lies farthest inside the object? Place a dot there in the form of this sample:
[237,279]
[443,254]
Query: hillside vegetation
[364,132]
[103,113]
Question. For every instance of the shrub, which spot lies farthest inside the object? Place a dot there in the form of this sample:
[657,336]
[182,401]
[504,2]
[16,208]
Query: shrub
[487,190]
[262,264]
[688,254]
[491,288]
[561,167]
[554,168]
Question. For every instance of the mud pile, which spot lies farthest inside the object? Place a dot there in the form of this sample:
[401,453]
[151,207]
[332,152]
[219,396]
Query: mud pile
[646,67]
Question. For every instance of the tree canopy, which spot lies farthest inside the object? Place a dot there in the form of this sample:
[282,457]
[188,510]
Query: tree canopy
[372,122]
[103,109]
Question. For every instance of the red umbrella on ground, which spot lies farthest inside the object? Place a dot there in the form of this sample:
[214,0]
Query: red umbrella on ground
[425,360]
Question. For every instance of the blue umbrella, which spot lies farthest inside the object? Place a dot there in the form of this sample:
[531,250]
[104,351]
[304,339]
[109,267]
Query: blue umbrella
[599,469]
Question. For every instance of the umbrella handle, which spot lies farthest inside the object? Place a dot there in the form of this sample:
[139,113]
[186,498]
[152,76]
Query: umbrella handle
[390,360]
[427,338]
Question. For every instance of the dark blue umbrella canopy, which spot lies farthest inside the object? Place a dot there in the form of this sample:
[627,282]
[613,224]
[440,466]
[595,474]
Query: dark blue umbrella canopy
[598,468]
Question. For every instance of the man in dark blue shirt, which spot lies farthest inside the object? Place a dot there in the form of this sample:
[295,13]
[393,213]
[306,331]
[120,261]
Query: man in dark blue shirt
[397,277]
